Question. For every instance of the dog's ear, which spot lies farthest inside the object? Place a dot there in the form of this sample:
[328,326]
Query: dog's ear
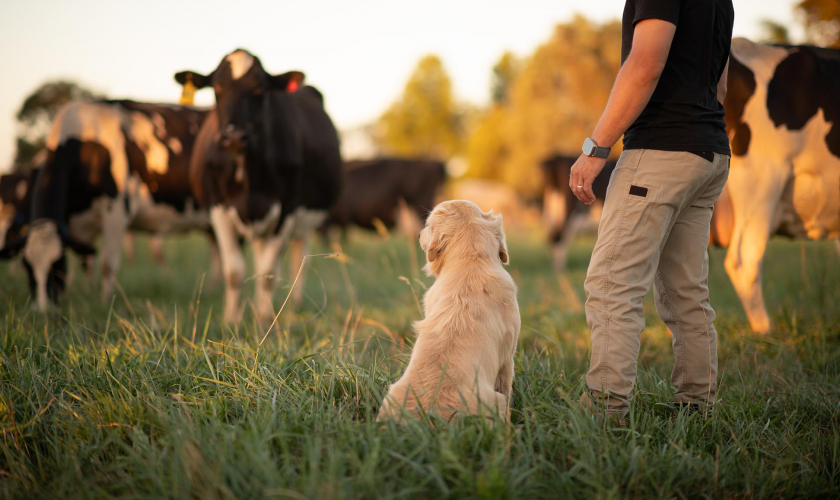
[503,251]
[436,246]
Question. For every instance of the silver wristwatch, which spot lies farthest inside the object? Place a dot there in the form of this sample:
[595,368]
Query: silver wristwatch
[592,149]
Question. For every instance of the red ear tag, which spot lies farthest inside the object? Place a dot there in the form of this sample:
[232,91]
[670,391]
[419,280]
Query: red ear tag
[292,86]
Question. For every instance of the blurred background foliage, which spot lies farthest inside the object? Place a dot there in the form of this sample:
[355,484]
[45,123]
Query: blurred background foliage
[550,101]
[36,114]
[540,104]
[774,32]
[425,120]
[821,20]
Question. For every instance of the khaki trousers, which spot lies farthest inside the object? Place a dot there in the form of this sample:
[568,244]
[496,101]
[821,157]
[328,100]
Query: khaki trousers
[654,230]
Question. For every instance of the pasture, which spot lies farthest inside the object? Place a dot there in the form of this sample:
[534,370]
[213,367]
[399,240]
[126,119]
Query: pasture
[151,396]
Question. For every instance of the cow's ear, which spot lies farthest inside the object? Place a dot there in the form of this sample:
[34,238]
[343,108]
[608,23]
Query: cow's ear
[289,82]
[200,81]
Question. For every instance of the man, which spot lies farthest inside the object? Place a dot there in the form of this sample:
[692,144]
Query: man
[655,224]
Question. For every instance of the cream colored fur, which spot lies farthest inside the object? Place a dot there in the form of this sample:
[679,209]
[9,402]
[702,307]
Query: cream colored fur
[462,363]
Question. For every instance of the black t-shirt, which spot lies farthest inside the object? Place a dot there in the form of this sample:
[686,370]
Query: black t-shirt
[683,114]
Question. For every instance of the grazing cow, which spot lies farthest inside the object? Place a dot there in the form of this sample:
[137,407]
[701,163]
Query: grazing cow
[15,198]
[563,213]
[376,189]
[267,166]
[111,166]
[783,120]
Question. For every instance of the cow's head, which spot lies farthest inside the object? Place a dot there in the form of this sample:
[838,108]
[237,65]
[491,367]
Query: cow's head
[45,262]
[10,194]
[14,212]
[240,84]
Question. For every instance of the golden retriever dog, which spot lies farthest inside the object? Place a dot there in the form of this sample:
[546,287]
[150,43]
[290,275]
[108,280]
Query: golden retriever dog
[462,363]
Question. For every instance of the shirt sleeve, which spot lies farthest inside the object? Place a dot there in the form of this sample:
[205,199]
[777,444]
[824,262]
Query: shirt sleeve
[666,10]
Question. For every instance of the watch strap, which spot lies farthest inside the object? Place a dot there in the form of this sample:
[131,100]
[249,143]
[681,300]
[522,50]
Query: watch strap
[600,152]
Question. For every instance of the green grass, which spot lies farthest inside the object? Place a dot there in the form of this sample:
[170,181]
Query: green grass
[151,396]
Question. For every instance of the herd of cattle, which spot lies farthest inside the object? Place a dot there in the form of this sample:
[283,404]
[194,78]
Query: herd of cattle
[264,165]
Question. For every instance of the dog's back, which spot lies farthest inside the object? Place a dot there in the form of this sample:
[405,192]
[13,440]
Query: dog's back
[462,362]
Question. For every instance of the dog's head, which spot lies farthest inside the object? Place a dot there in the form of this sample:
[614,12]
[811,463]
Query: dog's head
[458,229]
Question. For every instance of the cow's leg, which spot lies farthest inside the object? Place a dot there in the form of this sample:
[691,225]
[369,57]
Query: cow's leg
[71,274]
[299,249]
[215,259]
[130,246]
[156,248]
[560,248]
[266,251]
[87,262]
[233,264]
[305,223]
[837,245]
[754,216]
[743,264]
[115,222]
[215,262]
[296,253]
[408,220]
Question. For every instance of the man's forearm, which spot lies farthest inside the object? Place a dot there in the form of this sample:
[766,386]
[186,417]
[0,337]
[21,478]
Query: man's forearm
[633,88]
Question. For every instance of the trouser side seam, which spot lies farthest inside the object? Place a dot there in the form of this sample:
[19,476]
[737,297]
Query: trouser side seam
[606,280]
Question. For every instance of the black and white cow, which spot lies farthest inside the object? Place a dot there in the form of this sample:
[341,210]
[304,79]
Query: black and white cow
[111,166]
[377,189]
[783,120]
[267,166]
[15,198]
[563,213]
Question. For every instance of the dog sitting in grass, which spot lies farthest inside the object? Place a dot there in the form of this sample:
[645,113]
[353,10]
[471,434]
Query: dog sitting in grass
[462,363]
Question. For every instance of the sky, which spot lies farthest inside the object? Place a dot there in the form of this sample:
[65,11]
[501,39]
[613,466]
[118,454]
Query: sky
[359,53]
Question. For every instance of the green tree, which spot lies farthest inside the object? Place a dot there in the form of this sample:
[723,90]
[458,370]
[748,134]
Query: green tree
[426,120]
[504,74]
[553,104]
[774,32]
[487,149]
[38,111]
[822,21]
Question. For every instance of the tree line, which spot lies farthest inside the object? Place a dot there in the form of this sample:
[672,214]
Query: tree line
[540,104]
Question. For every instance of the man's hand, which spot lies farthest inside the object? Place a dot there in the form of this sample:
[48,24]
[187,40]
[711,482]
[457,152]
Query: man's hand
[583,174]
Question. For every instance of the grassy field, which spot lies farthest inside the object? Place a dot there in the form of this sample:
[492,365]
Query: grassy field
[150,396]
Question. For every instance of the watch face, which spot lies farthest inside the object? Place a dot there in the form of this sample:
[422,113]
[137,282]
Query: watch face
[588,146]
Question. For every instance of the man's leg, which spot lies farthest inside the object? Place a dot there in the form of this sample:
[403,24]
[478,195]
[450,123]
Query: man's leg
[647,191]
[682,295]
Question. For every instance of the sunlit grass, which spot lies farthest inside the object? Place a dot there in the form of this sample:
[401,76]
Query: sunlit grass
[151,396]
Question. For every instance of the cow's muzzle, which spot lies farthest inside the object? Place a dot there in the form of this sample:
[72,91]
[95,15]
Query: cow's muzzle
[233,140]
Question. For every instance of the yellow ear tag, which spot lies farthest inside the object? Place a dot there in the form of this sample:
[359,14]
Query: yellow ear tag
[188,92]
